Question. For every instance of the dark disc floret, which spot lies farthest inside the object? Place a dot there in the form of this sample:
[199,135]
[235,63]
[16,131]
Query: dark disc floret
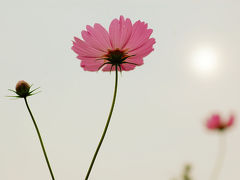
[116,58]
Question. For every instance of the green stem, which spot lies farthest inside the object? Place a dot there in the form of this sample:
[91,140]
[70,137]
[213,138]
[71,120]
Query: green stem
[40,138]
[220,158]
[106,127]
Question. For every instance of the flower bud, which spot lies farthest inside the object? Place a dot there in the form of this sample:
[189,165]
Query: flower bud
[22,89]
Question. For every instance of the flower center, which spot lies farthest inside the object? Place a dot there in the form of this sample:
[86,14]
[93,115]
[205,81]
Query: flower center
[116,57]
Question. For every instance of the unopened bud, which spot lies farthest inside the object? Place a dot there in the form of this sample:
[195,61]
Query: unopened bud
[23,88]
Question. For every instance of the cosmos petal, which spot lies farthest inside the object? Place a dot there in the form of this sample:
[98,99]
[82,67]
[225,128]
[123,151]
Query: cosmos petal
[230,121]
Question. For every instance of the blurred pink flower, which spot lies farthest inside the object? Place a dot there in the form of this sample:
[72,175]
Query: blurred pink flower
[215,122]
[124,46]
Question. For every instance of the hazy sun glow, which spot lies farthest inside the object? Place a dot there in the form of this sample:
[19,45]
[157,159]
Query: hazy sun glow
[205,60]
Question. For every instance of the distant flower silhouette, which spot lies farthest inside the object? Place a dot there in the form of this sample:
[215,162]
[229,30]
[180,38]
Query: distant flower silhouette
[121,49]
[215,122]
[186,174]
[124,46]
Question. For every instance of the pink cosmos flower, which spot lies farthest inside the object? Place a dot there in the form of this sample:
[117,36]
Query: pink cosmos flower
[215,122]
[124,46]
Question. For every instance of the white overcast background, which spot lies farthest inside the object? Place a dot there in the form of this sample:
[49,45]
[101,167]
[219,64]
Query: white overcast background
[158,121]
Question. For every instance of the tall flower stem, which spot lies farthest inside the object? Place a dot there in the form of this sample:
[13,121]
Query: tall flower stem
[40,138]
[220,157]
[106,126]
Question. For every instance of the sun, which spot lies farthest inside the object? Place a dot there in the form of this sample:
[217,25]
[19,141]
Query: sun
[205,60]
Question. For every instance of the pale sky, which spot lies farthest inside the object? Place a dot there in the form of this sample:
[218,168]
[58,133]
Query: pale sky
[158,121]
